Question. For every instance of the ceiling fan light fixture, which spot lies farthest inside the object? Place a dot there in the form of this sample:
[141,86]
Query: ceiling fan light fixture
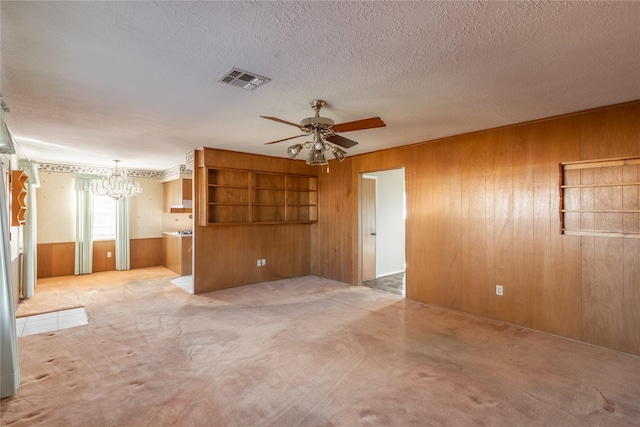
[339,154]
[294,150]
[323,129]
[316,158]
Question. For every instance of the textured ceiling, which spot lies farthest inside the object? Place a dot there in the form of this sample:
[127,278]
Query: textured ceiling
[89,82]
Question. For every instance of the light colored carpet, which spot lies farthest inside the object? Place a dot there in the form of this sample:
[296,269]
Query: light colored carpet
[305,352]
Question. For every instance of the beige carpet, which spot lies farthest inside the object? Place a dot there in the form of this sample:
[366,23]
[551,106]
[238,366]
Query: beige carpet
[305,352]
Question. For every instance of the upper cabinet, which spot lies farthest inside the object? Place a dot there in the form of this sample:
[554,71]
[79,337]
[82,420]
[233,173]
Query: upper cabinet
[18,196]
[177,196]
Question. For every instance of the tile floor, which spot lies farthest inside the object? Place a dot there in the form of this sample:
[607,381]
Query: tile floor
[185,282]
[394,284]
[47,322]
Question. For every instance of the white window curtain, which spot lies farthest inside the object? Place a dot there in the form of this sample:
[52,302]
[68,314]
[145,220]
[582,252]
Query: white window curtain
[9,364]
[84,224]
[30,236]
[122,234]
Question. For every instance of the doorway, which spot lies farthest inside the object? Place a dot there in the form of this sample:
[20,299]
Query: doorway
[382,230]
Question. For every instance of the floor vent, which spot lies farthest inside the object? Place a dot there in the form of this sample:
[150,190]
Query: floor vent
[243,79]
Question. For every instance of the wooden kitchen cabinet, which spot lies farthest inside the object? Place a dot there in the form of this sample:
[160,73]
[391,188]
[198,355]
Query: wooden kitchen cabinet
[177,253]
[178,196]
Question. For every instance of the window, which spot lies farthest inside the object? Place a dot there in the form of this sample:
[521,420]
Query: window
[104,218]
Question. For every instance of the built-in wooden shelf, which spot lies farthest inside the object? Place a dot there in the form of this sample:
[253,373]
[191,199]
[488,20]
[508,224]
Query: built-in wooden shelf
[18,197]
[250,197]
[600,197]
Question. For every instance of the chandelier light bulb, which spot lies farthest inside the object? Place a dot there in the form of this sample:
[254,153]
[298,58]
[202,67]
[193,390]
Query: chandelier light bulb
[116,185]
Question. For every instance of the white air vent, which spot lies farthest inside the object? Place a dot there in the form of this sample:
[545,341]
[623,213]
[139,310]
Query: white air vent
[243,79]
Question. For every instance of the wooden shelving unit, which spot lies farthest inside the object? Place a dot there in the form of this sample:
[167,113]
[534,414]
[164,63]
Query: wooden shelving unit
[302,199]
[249,197]
[600,198]
[18,196]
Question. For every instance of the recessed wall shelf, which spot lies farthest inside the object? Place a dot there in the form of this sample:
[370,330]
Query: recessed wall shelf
[600,197]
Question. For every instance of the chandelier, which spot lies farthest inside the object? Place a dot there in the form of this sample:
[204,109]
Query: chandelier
[116,185]
[316,148]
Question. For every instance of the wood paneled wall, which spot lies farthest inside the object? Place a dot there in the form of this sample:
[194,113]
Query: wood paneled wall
[482,210]
[146,252]
[104,255]
[225,255]
[58,259]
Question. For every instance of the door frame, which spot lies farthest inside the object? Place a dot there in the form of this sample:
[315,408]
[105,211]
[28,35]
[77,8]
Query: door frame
[364,176]
[360,241]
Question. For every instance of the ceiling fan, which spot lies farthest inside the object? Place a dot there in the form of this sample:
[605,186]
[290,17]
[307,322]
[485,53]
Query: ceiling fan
[324,131]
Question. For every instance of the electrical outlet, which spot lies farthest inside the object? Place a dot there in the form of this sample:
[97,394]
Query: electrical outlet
[264,262]
[499,290]
[259,263]
[108,254]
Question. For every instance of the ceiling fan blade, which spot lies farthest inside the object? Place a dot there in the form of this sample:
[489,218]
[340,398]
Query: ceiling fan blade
[286,139]
[373,122]
[275,119]
[341,141]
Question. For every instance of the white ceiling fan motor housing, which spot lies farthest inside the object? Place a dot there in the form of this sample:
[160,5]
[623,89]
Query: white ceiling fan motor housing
[320,123]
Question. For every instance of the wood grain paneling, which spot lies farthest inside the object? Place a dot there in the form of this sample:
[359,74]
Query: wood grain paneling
[56,259]
[630,340]
[177,253]
[473,266]
[631,287]
[224,159]
[330,258]
[172,251]
[145,252]
[557,285]
[104,255]
[482,209]
[225,255]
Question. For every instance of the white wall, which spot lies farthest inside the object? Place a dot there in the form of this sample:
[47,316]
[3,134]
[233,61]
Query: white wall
[145,210]
[56,201]
[56,207]
[177,222]
[390,222]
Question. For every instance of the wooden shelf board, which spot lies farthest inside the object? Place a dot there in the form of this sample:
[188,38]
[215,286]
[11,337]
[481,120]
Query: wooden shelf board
[261,223]
[237,187]
[602,233]
[617,211]
[617,184]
